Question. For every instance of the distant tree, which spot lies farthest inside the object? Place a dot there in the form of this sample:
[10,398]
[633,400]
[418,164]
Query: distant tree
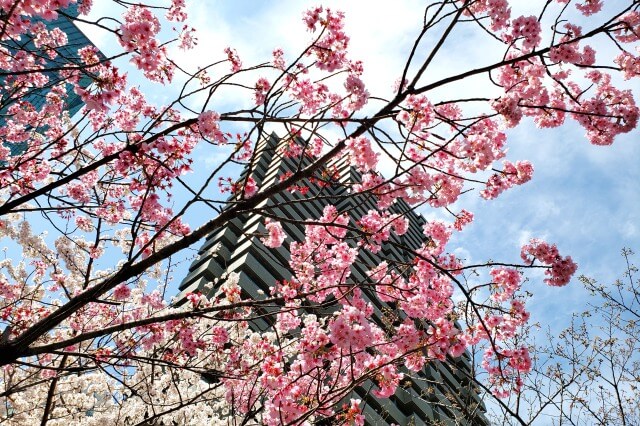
[88,333]
[590,372]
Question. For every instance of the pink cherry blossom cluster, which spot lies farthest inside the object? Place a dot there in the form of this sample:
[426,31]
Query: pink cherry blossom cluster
[508,107]
[187,39]
[506,368]
[291,148]
[330,48]
[209,127]
[358,95]
[523,82]
[627,32]
[278,59]
[426,295]
[352,414]
[417,115]
[243,148]
[47,40]
[553,115]
[377,226]
[527,28]
[46,9]
[351,329]
[132,108]
[570,53]
[138,34]
[176,11]
[314,149]
[561,269]
[463,219]
[386,375]
[608,113]
[498,12]
[275,236]
[590,7]
[312,96]
[438,233]
[123,202]
[361,155]
[234,59]
[567,51]
[247,186]
[100,97]
[121,292]
[288,319]
[80,190]
[330,53]
[511,174]
[387,281]
[528,94]
[630,65]
[262,88]
[322,263]
[507,282]
[375,184]
[484,143]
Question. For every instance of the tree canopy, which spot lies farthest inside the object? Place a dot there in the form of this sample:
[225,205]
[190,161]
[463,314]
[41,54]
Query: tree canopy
[93,207]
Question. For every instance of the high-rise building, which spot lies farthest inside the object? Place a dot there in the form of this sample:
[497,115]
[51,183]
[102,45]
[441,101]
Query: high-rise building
[66,56]
[442,393]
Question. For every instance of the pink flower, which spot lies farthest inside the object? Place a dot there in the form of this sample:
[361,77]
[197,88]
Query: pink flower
[438,231]
[508,107]
[628,32]
[507,280]
[512,174]
[186,38]
[358,95]
[276,234]
[361,155]
[629,64]
[278,59]
[561,269]
[121,292]
[528,28]
[311,95]
[462,219]
[176,11]
[589,7]
[418,114]
[352,415]
[208,124]
[232,56]
[262,87]
[250,187]
[330,50]
[138,31]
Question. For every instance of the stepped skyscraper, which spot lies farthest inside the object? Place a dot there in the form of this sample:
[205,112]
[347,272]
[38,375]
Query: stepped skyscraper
[442,393]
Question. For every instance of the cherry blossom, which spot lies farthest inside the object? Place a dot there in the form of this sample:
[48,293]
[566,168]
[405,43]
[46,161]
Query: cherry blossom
[276,234]
[560,268]
[527,27]
[94,210]
[262,87]
[330,49]
[361,155]
[232,56]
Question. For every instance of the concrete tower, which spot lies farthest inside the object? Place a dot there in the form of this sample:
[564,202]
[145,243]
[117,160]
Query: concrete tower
[442,393]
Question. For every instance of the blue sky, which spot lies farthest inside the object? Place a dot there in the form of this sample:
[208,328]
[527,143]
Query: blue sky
[584,198]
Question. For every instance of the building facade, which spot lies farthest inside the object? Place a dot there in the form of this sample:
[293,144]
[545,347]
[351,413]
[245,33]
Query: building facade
[442,393]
